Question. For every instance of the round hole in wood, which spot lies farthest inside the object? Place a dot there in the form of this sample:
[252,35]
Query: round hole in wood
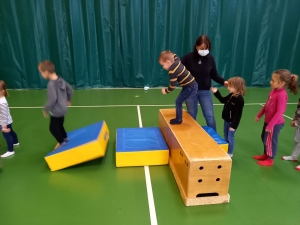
[219,167]
[201,168]
[218,179]
[200,180]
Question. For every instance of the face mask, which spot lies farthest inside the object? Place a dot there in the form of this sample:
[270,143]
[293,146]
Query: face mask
[203,52]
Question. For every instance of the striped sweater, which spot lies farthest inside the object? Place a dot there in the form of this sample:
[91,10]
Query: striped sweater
[178,73]
[5,117]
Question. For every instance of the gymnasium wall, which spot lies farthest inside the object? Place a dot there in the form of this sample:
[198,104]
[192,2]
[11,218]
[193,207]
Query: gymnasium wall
[116,43]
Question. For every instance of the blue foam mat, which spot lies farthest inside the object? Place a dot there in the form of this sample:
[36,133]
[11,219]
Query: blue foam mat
[140,139]
[80,136]
[214,135]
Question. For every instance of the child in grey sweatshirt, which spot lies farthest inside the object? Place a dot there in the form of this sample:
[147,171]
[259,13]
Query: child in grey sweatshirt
[296,151]
[60,94]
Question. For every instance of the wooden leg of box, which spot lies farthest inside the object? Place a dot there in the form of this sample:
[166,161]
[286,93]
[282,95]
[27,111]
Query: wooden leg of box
[200,200]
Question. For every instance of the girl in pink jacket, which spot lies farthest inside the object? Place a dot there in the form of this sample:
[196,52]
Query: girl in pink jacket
[273,111]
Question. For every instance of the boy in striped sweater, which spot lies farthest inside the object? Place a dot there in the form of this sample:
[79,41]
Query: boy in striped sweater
[178,73]
[6,122]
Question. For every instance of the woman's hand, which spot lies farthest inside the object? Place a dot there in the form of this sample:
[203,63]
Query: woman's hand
[256,119]
[163,91]
[213,89]
[226,83]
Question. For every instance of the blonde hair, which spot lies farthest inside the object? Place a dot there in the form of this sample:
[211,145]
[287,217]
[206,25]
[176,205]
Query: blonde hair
[291,80]
[166,55]
[239,84]
[3,88]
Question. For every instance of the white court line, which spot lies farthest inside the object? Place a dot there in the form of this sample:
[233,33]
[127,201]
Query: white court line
[111,106]
[153,218]
[283,114]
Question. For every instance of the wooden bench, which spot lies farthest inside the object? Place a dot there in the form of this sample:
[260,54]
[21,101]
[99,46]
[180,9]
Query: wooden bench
[200,166]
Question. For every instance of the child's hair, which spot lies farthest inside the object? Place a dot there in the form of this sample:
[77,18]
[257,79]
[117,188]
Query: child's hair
[203,39]
[291,80]
[46,65]
[3,88]
[166,55]
[239,84]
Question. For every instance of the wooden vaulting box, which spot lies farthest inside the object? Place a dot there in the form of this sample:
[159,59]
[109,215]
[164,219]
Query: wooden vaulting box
[200,166]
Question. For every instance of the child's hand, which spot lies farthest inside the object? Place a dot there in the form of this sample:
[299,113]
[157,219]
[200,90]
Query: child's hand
[230,128]
[213,89]
[68,103]
[256,119]
[226,83]
[163,91]
[293,124]
[5,129]
[267,130]
[45,114]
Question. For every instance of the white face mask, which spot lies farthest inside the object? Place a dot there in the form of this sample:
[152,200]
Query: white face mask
[203,52]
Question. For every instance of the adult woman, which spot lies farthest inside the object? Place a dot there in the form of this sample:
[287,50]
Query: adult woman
[202,65]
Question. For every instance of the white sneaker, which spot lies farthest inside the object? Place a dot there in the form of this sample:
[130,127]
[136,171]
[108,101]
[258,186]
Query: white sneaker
[289,158]
[17,144]
[297,167]
[231,155]
[7,154]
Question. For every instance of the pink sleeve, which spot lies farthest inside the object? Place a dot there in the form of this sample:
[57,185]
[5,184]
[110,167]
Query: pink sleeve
[280,108]
[262,111]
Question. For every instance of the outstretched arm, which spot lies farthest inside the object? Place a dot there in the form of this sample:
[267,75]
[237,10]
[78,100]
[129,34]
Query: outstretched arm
[218,95]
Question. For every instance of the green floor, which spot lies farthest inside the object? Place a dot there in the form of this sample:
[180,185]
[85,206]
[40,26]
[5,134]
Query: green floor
[97,192]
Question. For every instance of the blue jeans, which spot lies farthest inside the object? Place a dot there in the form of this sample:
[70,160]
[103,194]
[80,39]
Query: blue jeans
[205,99]
[11,138]
[229,137]
[186,93]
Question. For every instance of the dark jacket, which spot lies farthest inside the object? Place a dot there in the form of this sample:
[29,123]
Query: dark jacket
[233,108]
[203,72]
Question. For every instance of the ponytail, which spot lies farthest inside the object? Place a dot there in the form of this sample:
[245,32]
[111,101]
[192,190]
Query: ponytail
[293,84]
[3,88]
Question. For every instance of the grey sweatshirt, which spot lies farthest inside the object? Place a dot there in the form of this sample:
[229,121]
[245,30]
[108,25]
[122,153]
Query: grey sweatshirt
[59,93]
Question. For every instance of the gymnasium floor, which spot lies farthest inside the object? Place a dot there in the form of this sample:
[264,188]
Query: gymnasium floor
[97,192]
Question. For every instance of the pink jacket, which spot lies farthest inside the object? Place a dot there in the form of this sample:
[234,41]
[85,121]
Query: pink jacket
[274,108]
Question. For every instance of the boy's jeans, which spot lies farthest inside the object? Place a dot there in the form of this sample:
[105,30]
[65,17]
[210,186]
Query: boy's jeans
[186,93]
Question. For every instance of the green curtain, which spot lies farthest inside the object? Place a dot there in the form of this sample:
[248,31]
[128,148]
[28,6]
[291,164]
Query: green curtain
[116,43]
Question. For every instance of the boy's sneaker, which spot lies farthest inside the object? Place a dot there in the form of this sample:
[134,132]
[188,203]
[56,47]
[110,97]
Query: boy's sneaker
[7,154]
[297,167]
[17,144]
[289,158]
[66,140]
[60,145]
[231,155]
